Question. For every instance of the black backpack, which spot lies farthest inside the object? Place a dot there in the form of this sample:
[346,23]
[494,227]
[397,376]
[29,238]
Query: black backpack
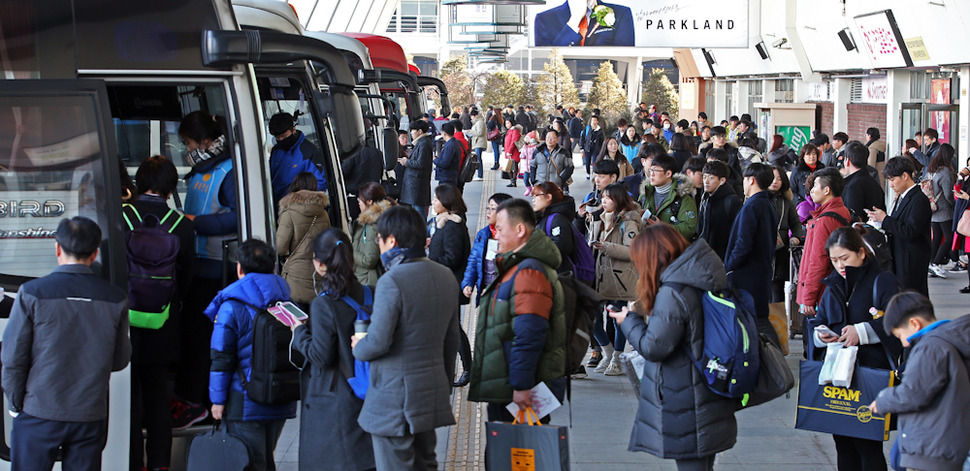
[152,248]
[471,165]
[274,377]
[582,305]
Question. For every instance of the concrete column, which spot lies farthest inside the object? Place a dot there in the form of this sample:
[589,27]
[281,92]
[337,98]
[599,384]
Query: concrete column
[898,81]
[720,101]
[840,101]
[740,98]
[963,138]
[634,80]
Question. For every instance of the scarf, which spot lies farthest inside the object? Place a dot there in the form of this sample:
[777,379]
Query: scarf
[397,255]
[197,156]
[607,218]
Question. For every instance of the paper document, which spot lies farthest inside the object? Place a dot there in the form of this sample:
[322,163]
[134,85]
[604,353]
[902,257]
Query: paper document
[543,402]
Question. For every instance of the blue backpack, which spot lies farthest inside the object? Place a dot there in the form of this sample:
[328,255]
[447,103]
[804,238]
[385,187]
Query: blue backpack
[730,360]
[582,260]
[360,379]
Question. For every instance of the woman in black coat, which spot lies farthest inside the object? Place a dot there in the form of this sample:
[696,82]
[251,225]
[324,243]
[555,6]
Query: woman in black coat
[807,163]
[790,232]
[856,285]
[678,417]
[330,437]
[450,246]
[416,185]
[555,213]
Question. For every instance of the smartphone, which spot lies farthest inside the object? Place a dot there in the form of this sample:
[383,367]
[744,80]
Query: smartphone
[825,330]
[615,307]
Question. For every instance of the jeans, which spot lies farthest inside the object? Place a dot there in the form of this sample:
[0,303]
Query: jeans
[587,160]
[496,150]
[478,152]
[261,437]
[599,330]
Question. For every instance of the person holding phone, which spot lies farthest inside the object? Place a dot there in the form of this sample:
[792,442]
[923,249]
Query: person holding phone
[857,292]
[612,233]
[330,436]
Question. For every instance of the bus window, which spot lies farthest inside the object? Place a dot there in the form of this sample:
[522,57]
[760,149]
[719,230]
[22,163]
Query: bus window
[280,94]
[51,167]
[146,120]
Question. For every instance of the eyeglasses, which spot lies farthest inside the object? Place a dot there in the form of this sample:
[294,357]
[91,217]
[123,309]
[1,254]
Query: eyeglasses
[536,195]
[656,170]
[491,209]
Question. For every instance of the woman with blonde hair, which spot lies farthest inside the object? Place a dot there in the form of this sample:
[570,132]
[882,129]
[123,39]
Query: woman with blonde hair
[678,417]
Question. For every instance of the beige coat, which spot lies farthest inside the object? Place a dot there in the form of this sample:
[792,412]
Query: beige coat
[616,277]
[367,255]
[303,215]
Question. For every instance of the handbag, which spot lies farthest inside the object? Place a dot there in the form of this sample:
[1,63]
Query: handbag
[493,134]
[844,410]
[927,187]
[527,446]
[963,225]
[217,449]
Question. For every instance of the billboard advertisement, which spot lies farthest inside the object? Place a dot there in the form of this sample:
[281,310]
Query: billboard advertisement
[633,23]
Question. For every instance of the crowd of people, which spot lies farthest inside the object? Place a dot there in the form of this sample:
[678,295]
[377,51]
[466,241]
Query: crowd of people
[677,209]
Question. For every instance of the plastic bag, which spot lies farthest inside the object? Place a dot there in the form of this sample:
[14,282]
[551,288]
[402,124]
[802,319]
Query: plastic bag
[831,353]
[844,367]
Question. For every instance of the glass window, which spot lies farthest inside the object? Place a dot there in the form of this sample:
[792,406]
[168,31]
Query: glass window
[51,168]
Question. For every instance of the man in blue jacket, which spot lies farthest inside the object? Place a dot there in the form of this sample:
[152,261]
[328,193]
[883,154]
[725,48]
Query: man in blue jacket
[259,425]
[576,23]
[750,251]
[291,155]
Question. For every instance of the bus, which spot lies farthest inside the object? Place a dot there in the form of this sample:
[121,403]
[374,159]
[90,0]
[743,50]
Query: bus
[90,88]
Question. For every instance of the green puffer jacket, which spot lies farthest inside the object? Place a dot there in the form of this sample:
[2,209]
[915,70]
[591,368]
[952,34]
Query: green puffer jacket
[519,285]
[685,221]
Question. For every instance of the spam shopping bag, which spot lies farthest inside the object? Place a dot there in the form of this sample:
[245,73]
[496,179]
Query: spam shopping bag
[842,411]
[527,446]
[216,450]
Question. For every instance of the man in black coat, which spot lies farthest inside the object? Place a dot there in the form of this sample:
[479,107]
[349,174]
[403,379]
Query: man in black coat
[416,185]
[750,252]
[907,224]
[719,207]
[861,191]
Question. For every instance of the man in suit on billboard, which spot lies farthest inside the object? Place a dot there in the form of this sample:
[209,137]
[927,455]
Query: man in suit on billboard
[585,23]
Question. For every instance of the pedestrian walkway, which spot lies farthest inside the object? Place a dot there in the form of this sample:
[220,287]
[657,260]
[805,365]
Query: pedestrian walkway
[604,407]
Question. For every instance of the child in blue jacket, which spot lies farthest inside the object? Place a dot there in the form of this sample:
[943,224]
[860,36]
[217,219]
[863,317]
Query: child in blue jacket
[257,424]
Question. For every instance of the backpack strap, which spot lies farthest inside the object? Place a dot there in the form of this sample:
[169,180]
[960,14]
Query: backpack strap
[134,211]
[836,216]
[169,214]
[363,313]
[242,374]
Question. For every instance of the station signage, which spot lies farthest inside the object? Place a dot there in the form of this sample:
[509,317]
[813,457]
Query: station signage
[634,23]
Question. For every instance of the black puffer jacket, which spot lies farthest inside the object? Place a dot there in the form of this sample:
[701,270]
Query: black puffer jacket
[560,229]
[450,244]
[416,186]
[678,417]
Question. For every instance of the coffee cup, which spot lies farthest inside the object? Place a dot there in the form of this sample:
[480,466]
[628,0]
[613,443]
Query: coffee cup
[360,328]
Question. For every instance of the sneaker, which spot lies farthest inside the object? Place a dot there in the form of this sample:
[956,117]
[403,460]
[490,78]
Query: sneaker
[579,373]
[958,268]
[965,290]
[594,359]
[614,369]
[938,270]
[601,368]
[186,414]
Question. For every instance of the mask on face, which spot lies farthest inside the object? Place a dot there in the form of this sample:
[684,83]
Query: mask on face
[666,126]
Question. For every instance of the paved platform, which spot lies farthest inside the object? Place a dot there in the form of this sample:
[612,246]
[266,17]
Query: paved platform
[604,407]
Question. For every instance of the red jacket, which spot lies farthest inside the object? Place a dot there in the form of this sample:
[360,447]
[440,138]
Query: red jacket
[464,150]
[815,259]
[511,136]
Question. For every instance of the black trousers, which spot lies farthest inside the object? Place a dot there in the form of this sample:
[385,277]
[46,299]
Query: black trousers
[857,454]
[150,410]
[195,330]
[942,242]
[34,443]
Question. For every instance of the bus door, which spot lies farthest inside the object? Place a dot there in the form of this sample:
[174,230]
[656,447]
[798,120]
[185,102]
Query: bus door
[57,161]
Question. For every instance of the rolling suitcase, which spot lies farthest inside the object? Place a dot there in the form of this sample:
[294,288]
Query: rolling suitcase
[216,450]
[796,320]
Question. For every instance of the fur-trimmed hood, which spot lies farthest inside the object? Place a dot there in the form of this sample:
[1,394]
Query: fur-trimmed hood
[306,202]
[683,186]
[441,219]
[373,212]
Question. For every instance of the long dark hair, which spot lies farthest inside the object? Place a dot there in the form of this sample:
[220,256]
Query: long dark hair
[552,189]
[785,183]
[942,160]
[332,249]
[849,238]
[679,142]
[617,192]
[604,153]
